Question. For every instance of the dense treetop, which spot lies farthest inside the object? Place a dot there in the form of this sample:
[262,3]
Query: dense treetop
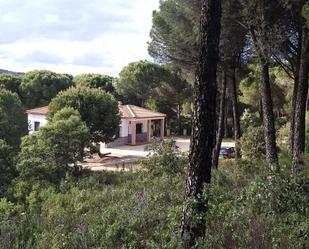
[101,81]
[98,109]
[13,119]
[39,87]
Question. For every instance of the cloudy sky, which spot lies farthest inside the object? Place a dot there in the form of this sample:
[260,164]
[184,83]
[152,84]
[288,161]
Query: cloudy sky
[74,36]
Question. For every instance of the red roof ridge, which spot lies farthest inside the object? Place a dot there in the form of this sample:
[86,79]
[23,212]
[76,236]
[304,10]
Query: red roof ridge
[127,111]
[131,111]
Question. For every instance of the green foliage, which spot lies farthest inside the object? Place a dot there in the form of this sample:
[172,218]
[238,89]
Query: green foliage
[39,87]
[233,33]
[164,158]
[280,87]
[249,88]
[306,13]
[283,136]
[10,217]
[13,120]
[10,82]
[36,163]
[158,88]
[51,152]
[174,34]
[103,82]
[253,143]
[137,80]
[178,126]
[171,93]
[7,166]
[249,119]
[247,208]
[98,109]
[101,211]
[269,211]
[66,136]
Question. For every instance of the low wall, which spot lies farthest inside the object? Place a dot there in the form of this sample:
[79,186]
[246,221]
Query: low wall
[118,142]
[140,138]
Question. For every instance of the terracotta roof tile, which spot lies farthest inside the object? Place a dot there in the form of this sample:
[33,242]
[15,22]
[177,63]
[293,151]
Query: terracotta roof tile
[40,111]
[133,111]
[127,111]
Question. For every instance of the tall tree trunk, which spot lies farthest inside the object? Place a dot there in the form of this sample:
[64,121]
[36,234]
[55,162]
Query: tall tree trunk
[292,122]
[268,117]
[300,106]
[295,90]
[236,119]
[226,123]
[204,119]
[180,131]
[260,36]
[220,130]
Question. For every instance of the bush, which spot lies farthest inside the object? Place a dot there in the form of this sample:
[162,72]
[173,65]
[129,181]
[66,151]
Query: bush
[252,143]
[283,136]
[53,151]
[249,119]
[269,211]
[247,208]
[164,158]
[136,211]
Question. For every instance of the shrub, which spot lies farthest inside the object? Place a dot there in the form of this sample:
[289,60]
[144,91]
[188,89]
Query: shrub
[283,136]
[164,158]
[252,143]
[249,119]
[135,211]
[50,153]
[246,209]
[269,211]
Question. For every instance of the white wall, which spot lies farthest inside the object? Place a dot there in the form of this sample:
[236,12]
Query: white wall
[145,123]
[124,128]
[35,118]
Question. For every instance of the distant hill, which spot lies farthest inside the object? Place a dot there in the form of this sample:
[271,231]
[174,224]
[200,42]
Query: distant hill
[3,71]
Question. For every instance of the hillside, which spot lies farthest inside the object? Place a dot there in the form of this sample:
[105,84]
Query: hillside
[3,71]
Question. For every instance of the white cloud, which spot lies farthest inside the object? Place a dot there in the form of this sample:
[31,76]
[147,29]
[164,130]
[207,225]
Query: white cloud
[74,36]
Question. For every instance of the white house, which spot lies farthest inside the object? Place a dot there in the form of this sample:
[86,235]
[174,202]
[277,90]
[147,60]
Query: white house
[137,124]
[36,118]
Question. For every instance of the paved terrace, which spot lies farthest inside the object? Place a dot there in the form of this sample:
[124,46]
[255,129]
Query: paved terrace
[123,158]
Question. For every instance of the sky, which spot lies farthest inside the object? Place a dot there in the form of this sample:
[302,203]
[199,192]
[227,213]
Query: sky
[74,36]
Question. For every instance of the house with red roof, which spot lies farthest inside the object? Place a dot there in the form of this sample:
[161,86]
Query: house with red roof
[137,124]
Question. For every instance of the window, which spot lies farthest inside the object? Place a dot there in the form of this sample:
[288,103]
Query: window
[36,126]
[139,128]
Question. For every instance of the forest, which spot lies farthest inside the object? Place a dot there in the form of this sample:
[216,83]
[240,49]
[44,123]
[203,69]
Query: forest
[223,70]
